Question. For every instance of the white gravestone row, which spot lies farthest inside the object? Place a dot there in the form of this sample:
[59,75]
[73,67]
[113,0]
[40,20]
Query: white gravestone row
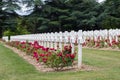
[103,34]
[96,35]
[5,38]
[111,34]
[54,40]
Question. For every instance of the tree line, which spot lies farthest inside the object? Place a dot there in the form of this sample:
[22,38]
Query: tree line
[59,15]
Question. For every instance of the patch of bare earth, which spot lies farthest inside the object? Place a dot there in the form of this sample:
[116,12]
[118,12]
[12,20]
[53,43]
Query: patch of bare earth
[41,67]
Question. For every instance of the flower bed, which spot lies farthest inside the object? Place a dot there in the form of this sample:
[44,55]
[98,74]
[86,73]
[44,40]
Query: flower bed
[102,43]
[50,57]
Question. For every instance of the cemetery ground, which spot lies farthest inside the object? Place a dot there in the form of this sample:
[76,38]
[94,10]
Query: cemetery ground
[13,67]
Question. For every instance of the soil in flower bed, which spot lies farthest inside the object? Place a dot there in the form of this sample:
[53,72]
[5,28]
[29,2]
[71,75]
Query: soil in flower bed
[41,67]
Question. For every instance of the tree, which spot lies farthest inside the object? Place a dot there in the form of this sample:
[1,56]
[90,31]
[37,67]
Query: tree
[86,14]
[55,16]
[7,8]
[33,21]
[112,8]
[2,15]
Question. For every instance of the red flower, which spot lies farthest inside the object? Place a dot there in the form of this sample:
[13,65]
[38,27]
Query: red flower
[66,47]
[48,54]
[44,60]
[70,46]
[22,42]
[37,59]
[23,46]
[110,44]
[98,45]
[36,46]
[67,55]
[72,56]
[52,49]
[84,44]
[42,55]
[36,43]
[30,43]
[113,42]
[35,55]
[28,49]
[60,54]
[45,49]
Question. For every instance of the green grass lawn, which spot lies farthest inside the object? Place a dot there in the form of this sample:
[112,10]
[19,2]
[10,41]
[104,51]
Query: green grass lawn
[13,67]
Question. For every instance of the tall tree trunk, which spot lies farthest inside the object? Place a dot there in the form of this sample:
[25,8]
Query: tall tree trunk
[0,32]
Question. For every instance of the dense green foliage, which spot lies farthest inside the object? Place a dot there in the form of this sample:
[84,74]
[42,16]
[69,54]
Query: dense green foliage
[60,15]
[7,16]
[112,19]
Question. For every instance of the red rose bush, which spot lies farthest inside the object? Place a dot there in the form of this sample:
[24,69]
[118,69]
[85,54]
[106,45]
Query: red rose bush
[50,57]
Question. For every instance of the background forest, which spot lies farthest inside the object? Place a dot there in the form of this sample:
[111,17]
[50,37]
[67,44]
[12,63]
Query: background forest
[58,15]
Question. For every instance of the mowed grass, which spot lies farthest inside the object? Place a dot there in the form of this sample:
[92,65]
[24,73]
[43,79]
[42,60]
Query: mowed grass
[13,67]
